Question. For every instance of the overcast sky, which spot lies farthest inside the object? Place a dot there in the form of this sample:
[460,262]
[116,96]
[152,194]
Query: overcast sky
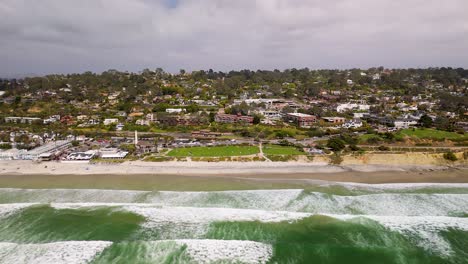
[62,36]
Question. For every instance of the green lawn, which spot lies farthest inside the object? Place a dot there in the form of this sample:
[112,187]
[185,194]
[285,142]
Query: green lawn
[430,134]
[218,151]
[281,150]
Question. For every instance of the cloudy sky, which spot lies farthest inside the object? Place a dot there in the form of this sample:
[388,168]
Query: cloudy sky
[64,36]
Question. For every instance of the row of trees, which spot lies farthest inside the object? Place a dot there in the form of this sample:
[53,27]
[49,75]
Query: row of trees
[308,81]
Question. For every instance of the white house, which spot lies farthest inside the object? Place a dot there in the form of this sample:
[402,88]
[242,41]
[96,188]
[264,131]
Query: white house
[404,123]
[143,122]
[174,110]
[271,114]
[354,123]
[360,114]
[52,119]
[110,121]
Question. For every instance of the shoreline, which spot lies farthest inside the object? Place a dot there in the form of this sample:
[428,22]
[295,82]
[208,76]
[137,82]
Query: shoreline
[196,176]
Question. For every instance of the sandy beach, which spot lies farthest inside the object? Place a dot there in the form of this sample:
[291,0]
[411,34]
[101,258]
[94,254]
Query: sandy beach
[213,176]
[198,168]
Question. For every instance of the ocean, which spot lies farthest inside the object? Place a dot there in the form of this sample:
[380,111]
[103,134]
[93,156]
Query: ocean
[322,223]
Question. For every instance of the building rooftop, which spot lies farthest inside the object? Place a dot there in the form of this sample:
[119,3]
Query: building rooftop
[300,115]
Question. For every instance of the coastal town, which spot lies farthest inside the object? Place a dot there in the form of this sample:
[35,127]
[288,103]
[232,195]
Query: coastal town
[272,116]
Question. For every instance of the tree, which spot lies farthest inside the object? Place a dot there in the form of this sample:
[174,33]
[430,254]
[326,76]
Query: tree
[5,146]
[336,144]
[161,107]
[443,123]
[257,119]
[425,121]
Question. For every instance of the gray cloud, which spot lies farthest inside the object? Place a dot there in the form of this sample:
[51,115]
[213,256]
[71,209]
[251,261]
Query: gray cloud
[74,36]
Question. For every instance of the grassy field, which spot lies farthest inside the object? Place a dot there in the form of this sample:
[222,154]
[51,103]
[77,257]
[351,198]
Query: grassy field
[430,134]
[281,150]
[218,151]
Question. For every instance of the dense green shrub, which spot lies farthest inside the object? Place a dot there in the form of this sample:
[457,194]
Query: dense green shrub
[449,155]
[336,144]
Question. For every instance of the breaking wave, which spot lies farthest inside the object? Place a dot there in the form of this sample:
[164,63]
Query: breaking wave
[410,223]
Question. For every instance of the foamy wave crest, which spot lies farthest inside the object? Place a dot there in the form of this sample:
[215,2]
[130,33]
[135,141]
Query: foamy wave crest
[383,204]
[71,252]
[252,199]
[188,251]
[399,186]
[156,213]
[210,251]
[189,222]
[8,209]
[424,230]
[274,200]
[315,202]
[70,195]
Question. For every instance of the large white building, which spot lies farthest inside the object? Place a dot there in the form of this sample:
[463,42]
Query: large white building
[404,123]
[352,106]
[48,148]
[112,153]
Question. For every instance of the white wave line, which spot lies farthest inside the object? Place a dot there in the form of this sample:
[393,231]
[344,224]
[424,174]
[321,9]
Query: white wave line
[70,252]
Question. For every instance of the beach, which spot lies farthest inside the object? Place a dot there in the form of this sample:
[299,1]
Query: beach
[200,168]
[206,176]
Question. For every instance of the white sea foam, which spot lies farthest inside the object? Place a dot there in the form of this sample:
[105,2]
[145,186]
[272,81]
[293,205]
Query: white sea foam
[70,195]
[209,251]
[189,222]
[251,199]
[156,213]
[275,200]
[383,204]
[425,229]
[287,200]
[316,202]
[398,186]
[70,252]
[195,251]
[8,209]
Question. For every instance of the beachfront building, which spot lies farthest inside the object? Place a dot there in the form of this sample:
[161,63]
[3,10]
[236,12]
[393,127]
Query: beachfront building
[112,153]
[301,120]
[80,156]
[49,149]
